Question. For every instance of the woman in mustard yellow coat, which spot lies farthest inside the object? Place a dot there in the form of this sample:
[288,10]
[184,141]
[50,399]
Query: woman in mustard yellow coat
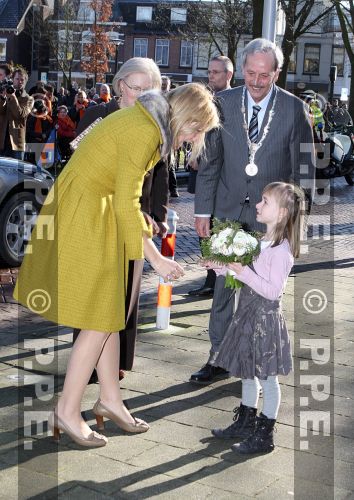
[75,270]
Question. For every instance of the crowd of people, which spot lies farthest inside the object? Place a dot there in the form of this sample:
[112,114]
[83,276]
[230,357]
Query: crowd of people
[112,197]
[28,119]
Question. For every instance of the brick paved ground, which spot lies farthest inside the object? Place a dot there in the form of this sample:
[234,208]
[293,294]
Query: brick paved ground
[178,458]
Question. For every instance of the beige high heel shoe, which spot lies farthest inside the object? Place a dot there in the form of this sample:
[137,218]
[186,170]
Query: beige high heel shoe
[56,424]
[100,411]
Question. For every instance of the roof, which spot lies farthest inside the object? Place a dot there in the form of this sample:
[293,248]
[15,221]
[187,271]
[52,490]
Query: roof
[12,12]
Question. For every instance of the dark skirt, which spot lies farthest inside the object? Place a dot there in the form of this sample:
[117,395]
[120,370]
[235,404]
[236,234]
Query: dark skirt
[257,343]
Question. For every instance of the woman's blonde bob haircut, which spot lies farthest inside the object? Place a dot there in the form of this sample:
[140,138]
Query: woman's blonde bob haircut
[138,65]
[192,110]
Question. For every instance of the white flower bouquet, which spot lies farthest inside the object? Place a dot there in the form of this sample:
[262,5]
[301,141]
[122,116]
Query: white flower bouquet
[230,243]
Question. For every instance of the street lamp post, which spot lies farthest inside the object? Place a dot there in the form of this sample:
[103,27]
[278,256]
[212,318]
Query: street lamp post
[269,19]
[117,44]
[117,40]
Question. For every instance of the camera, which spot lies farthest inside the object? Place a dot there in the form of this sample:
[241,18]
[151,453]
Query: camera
[7,85]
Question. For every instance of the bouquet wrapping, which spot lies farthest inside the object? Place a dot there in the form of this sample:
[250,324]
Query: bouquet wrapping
[230,243]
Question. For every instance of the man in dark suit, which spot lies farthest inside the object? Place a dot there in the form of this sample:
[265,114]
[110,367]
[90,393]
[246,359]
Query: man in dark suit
[220,73]
[154,202]
[266,136]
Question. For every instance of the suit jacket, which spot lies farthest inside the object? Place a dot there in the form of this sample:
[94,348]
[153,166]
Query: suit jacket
[222,184]
[14,113]
[154,197]
[94,112]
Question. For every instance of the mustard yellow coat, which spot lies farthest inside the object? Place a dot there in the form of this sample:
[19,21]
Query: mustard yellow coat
[75,268]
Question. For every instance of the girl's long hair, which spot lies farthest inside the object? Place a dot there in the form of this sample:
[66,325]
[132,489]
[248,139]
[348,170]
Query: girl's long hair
[192,110]
[291,198]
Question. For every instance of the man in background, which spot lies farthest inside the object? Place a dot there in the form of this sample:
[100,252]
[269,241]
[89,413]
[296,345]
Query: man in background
[15,106]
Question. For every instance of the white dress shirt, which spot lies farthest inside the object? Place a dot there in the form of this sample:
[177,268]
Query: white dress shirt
[250,103]
[263,104]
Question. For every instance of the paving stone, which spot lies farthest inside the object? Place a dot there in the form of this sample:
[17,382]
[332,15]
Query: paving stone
[126,447]
[8,481]
[82,493]
[245,479]
[166,487]
[175,434]
[98,472]
[36,485]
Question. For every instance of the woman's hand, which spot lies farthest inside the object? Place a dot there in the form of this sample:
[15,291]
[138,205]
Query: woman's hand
[236,267]
[168,269]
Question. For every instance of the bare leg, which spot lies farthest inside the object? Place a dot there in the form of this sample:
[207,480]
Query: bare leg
[107,371]
[83,359]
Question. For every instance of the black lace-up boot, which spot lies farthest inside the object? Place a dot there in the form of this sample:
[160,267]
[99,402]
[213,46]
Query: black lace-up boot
[261,441]
[244,423]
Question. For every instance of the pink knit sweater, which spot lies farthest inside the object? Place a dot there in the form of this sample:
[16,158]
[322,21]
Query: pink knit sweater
[272,267]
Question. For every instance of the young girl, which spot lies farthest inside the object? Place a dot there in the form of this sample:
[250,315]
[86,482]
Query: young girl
[256,346]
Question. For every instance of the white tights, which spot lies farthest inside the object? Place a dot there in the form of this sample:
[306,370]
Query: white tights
[271,394]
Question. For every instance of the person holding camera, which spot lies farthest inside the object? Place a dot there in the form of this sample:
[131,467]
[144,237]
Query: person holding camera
[5,72]
[15,106]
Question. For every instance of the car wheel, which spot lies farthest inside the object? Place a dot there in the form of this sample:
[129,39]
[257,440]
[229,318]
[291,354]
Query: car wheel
[17,219]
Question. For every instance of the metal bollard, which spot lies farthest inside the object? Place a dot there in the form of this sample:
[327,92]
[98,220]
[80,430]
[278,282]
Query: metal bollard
[164,294]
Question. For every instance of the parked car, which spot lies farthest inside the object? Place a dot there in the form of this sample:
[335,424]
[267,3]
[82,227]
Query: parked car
[23,189]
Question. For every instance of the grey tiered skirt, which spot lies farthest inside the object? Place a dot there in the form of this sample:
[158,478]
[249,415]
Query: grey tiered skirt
[257,342]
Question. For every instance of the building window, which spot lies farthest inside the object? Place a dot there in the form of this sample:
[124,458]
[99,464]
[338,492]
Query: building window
[312,59]
[162,52]
[3,49]
[178,15]
[66,45]
[186,58]
[86,13]
[292,61]
[144,14]
[85,39]
[204,54]
[338,54]
[140,47]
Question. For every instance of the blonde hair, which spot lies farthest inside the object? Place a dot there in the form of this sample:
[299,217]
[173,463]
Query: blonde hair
[192,110]
[138,65]
[291,226]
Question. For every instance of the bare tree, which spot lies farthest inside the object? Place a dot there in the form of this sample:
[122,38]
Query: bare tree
[345,13]
[62,33]
[219,22]
[298,22]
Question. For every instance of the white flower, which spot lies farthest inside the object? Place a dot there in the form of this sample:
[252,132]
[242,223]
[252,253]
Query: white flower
[243,243]
[218,241]
[226,250]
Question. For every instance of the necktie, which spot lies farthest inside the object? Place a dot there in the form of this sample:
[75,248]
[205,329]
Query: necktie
[253,126]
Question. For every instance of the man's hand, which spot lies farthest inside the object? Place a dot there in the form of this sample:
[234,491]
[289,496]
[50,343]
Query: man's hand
[163,228]
[202,226]
[150,221]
